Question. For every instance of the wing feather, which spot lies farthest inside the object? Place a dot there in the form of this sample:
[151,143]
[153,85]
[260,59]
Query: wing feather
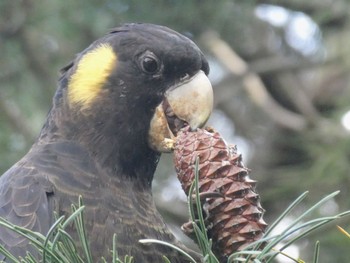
[50,177]
[21,195]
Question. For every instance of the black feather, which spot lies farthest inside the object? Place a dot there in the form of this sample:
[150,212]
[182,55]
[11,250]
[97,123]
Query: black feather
[102,154]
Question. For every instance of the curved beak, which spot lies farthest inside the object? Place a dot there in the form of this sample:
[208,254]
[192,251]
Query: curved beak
[188,103]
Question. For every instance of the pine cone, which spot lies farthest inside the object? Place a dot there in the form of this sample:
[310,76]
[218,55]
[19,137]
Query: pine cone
[233,210]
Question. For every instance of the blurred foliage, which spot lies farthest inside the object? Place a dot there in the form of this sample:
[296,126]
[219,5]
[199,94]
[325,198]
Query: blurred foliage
[37,38]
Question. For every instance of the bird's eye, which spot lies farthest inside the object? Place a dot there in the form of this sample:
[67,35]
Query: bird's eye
[149,63]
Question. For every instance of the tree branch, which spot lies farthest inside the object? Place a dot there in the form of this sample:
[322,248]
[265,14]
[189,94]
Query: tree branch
[277,64]
[293,87]
[14,117]
[253,84]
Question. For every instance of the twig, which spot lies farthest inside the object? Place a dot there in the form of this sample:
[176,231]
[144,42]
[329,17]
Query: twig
[277,64]
[293,87]
[12,113]
[253,84]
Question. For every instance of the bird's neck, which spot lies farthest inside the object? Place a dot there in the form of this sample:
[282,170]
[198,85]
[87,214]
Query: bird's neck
[119,152]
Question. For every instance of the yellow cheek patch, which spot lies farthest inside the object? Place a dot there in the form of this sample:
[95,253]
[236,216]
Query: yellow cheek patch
[91,74]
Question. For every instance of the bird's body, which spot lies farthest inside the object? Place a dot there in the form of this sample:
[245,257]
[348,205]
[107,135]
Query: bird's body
[54,174]
[95,144]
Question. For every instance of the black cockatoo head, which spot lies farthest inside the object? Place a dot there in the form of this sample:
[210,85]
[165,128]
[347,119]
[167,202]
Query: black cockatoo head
[126,95]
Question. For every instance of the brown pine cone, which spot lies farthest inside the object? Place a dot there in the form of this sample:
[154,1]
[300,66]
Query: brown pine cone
[232,206]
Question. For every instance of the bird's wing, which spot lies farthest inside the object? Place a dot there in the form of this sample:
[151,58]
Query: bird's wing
[47,179]
[23,202]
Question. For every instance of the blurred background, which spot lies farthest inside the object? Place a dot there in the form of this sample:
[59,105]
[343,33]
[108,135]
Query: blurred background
[280,71]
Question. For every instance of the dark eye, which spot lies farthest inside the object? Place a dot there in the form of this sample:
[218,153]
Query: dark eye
[149,63]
